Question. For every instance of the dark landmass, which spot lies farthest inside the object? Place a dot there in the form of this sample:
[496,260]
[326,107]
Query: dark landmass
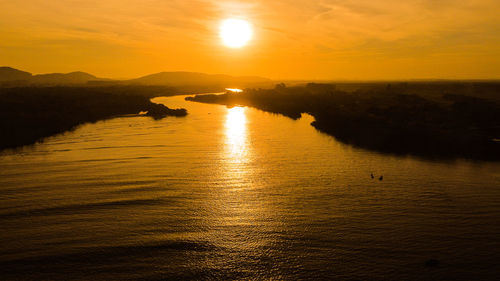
[433,120]
[159,111]
[28,114]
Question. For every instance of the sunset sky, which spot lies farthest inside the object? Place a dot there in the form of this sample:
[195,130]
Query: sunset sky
[292,39]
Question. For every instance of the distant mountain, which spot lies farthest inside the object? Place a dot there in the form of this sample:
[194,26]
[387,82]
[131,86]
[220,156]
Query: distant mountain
[12,77]
[188,81]
[63,79]
[12,74]
[180,79]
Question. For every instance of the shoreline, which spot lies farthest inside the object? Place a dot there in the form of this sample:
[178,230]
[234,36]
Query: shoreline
[399,120]
[28,115]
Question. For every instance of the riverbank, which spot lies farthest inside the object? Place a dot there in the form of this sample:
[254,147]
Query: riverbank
[433,120]
[29,114]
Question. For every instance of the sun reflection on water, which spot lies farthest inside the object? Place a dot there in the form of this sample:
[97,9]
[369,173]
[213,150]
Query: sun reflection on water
[236,133]
[234,90]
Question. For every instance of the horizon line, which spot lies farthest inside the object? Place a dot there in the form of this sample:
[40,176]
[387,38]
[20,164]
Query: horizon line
[338,80]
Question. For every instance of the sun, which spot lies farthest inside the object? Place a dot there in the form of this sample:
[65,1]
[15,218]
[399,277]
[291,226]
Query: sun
[235,33]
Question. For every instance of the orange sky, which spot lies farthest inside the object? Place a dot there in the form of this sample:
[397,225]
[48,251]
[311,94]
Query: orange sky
[306,39]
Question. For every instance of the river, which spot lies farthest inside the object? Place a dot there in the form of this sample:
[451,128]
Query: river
[237,193]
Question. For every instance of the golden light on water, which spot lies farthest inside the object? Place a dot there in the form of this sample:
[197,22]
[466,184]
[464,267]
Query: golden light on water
[234,90]
[236,133]
[235,33]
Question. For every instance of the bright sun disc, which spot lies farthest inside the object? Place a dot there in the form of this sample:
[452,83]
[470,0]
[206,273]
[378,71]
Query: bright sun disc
[235,33]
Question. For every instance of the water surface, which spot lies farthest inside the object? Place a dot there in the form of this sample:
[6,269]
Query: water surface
[237,193]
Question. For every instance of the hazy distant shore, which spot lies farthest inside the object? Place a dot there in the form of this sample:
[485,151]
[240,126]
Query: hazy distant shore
[187,82]
[29,114]
[433,120]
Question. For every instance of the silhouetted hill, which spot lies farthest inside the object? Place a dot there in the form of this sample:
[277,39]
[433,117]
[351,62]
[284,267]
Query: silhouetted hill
[181,79]
[11,77]
[63,79]
[12,74]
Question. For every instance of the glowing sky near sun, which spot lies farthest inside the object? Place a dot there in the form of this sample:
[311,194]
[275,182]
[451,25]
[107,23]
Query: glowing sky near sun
[313,39]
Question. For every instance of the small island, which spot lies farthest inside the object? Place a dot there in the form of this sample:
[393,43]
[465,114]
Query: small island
[429,119]
[29,114]
[159,111]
